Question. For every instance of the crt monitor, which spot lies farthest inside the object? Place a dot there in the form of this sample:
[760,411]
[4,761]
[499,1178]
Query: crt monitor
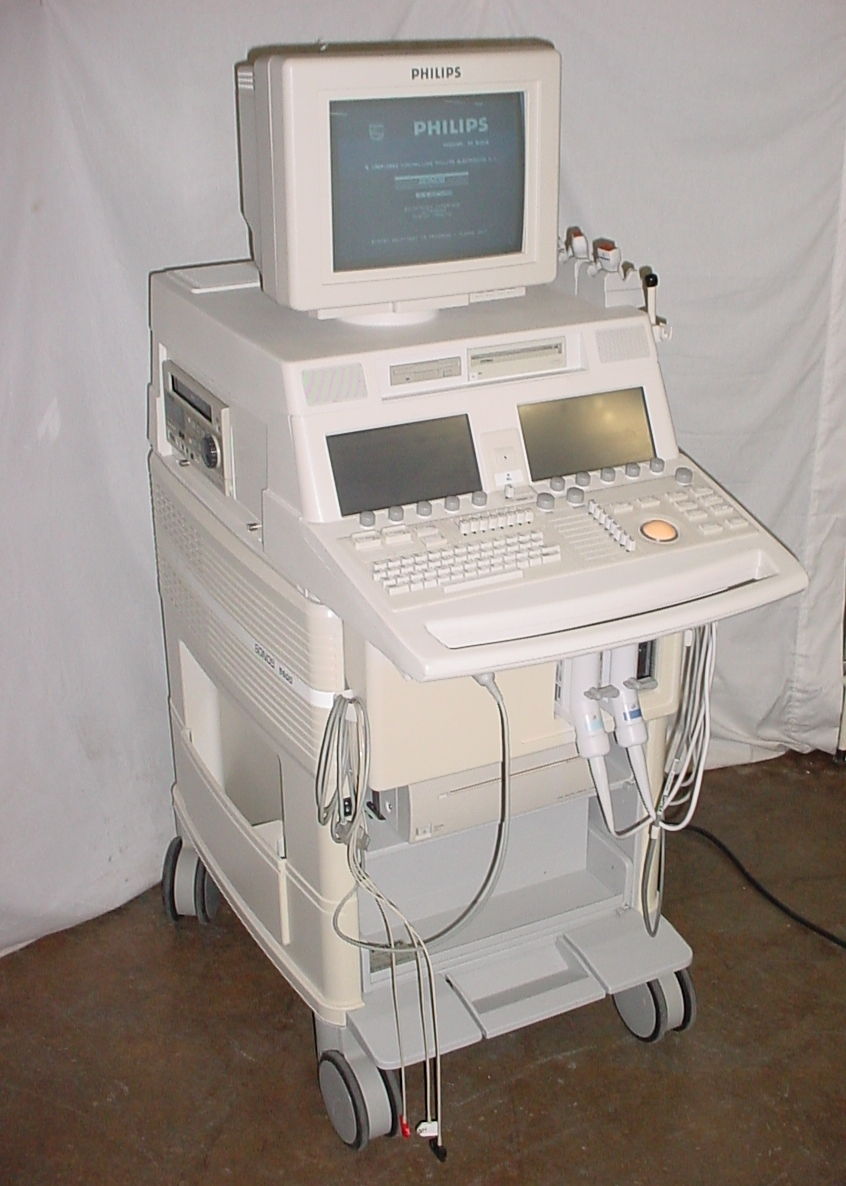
[400,176]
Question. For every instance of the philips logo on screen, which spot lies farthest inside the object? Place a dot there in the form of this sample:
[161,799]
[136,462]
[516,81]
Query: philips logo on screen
[451,127]
[432,73]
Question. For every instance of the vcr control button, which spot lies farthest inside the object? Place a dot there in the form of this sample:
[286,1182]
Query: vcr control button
[211,452]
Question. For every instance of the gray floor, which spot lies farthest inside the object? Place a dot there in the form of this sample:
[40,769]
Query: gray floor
[137,1051]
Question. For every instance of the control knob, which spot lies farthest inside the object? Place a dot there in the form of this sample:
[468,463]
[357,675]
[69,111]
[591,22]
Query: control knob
[210,451]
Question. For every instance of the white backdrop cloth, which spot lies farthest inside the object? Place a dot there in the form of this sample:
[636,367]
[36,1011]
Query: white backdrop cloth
[707,138]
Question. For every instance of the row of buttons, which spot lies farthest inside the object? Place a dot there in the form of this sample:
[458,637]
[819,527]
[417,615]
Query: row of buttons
[496,521]
[617,532]
[575,494]
[423,508]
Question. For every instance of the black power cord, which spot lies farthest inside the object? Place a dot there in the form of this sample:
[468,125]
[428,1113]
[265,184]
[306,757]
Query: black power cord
[756,884]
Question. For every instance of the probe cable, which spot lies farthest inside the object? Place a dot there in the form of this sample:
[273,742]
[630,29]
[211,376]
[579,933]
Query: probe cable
[341,811]
[686,767]
[340,788]
[685,770]
[341,782]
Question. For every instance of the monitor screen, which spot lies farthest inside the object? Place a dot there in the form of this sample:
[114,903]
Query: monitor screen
[402,177]
[564,436]
[426,179]
[402,463]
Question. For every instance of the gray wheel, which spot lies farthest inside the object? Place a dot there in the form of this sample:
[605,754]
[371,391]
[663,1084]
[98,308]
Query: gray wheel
[391,1080]
[169,878]
[206,895]
[343,1099]
[688,992]
[643,1010]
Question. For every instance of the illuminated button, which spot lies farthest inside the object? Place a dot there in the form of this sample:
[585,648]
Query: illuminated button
[656,465]
[424,508]
[659,531]
[684,475]
[396,514]
[452,502]
[632,469]
[582,478]
[575,496]
[367,518]
[608,473]
[556,483]
[478,498]
[546,501]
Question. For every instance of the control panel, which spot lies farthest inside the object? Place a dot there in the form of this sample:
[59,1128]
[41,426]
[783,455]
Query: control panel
[564,526]
[197,426]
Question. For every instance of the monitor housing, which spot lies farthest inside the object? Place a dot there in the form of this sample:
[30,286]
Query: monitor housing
[400,177]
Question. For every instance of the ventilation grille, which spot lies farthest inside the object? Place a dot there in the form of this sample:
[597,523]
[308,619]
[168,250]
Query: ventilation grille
[197,574]
[622,345]
[334,385]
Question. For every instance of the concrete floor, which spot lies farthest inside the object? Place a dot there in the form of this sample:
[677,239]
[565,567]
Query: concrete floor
[139,1052]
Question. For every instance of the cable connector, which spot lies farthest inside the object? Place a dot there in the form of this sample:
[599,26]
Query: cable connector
[405,1128]
[429,1129]
[485,678]
[438,1149]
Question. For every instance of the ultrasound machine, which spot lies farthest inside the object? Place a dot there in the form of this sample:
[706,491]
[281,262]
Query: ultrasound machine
[439,589]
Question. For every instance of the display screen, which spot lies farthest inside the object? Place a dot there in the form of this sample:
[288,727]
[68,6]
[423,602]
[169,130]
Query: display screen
[586,432]
[190,397]
[382,467]
[427,179]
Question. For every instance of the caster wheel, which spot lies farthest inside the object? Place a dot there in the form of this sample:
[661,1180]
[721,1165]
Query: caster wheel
[206,895]
[187,887]
[169,878]
[343,1099]
[688,992]
[391,1080]
[643,1010]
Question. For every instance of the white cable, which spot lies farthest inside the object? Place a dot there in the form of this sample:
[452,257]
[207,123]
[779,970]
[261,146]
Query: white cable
[691,752]
[340,790]
[686,755]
